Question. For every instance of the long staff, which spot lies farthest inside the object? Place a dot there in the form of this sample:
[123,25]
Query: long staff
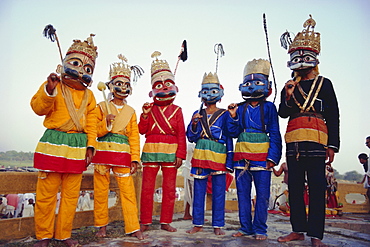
[102,87]
[50,33]
[268,52]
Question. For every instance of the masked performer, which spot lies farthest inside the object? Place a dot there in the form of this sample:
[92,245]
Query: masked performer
[118,149]
[312,135]
[162,123]
[258,147]
[67,146]
[212,151]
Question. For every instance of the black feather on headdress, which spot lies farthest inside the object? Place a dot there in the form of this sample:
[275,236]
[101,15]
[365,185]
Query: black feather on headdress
[137,72]
[285,40]
[184,52]
[49,32]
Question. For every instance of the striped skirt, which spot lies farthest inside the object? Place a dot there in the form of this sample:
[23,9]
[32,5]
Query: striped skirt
[252,146]
[159,148]
[61,152]
[113,149]
[209,154]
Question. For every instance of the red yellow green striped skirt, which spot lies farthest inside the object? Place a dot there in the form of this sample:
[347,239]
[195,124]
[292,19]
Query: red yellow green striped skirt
[159,148]
[113,149]
[61,152]
[307,127]
[252,146]
[209,154]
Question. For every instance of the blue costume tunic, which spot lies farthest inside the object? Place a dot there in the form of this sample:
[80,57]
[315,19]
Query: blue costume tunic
[212,152]
[263,123]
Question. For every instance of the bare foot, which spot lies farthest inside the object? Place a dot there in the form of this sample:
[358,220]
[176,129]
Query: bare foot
[168,228]
[42,243]
[138,234]
[187,217]
[218,231]
[102,233]
[291,237]
[317,243]
[71,243]
[260,237]
[238,234]
[195,229]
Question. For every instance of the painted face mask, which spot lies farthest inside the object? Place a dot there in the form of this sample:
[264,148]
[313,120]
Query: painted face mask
[120,87]
[302,59]
[163,91]
[211,93]
[77,71]
[255,87]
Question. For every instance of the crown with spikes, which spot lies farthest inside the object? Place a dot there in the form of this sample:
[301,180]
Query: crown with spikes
[120,69]
[159,67]
[260,66]
[210,78]
[308,39]
[86,47]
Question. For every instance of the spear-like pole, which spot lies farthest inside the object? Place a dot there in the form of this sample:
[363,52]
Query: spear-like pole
[268,52]
[219,50]
[50,33]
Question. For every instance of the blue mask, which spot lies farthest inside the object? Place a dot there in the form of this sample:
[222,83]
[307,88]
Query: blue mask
[255,86]
[211,93]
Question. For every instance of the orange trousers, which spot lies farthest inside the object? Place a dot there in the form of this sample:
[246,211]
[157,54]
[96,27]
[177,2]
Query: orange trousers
[127,194]
[46,199]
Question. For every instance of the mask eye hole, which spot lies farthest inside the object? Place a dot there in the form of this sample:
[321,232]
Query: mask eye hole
[214,91]
[259,83]
[168,84]
[247,84]
[308,59]
[158,86]
[88,69]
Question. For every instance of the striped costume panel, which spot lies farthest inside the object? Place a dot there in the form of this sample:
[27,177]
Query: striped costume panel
[159,148]
[61,152]
[113,149]
[252,146]
[209,154]
[307,127]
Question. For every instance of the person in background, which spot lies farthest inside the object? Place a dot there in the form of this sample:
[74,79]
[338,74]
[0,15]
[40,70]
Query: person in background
[364,159]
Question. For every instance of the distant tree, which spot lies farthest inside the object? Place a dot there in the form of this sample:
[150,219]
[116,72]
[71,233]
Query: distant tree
[337,175]
[352,176]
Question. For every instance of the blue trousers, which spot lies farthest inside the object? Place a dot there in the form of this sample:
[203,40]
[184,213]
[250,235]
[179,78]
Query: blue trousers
[262,181]
[218,200]
[314,169]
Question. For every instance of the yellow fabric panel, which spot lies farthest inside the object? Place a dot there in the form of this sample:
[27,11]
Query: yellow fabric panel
[252,147]
[114,147]
[61,150]
[300,135]
[209,155]
[160,148]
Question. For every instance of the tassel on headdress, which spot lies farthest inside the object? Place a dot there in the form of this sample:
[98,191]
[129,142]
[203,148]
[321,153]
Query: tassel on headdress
[285,40]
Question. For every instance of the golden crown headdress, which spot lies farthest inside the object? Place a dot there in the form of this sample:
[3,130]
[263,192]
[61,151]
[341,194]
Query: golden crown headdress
[86,47]
[122,69]
[260,66]
[159,67]
[210,78]
[308,39]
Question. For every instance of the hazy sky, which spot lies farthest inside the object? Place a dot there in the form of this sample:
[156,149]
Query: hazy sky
[137,28]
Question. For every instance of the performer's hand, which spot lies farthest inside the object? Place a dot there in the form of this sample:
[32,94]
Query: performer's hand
[196,118]
[134,166]
[329,155]
[53,79]
[289,88]
[178,162]
[89,155]
[147,107]
[232,109]
[270,164]
[110,118]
